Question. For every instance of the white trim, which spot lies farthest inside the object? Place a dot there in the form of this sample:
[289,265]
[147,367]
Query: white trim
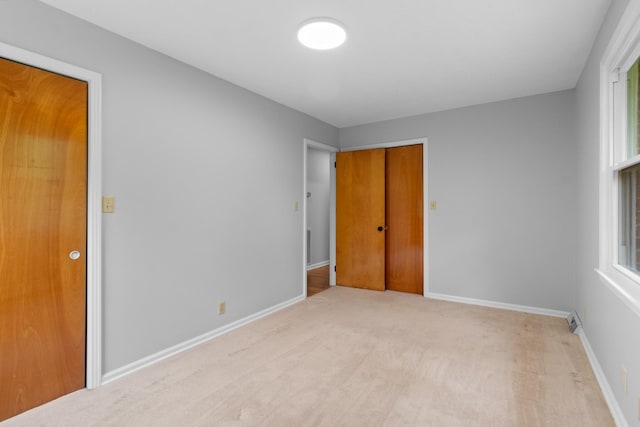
[317,265]
[320,146]
[626,163]
[185,345]
[94,194]
[425,209]
[606,155]
[390,144]
[609,397]
[625,36]
[309,143]
[425,194]
[332,219]
[500,305]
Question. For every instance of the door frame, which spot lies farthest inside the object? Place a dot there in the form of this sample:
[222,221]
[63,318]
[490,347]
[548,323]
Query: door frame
[425,198]
[332,216]
[309,143]
[93,376]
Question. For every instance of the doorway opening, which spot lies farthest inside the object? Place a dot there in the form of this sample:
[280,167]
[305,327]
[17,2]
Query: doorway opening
[319,217]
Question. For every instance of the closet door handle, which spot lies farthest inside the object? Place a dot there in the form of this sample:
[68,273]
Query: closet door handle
[380,228]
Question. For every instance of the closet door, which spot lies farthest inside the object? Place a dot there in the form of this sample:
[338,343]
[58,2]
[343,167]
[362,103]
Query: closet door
[404,215]
[360,219]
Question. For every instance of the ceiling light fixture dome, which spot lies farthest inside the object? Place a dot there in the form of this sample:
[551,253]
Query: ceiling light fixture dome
[322,33]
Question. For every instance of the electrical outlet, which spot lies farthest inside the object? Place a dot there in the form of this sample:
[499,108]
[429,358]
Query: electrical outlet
[624,380]
[221,307]
[584,314]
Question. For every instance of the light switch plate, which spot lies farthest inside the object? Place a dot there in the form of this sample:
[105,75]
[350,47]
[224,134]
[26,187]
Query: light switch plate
[108,204]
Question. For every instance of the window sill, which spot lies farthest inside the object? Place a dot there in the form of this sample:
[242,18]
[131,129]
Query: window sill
[623,287]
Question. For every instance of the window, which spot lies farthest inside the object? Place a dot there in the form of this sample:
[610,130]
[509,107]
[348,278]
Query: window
[628,179]
[623,168]
[629,210]
[619,266]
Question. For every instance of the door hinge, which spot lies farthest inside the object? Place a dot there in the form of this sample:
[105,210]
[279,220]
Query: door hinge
[335,164]
[335,268]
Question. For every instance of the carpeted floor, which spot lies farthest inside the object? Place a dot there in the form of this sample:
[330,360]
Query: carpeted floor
[350,357]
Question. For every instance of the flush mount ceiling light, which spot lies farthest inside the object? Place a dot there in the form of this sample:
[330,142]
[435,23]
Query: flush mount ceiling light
[322,33]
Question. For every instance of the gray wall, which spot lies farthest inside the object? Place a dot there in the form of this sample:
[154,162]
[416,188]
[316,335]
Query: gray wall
[503,176]
[612,328]
[205,176]
[318,184]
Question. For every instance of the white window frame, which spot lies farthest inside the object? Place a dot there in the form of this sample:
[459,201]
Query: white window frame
[622,52]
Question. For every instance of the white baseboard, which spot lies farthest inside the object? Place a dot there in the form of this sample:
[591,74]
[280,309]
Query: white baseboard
[317,265]
[502,305]
[609,397]
[172,351]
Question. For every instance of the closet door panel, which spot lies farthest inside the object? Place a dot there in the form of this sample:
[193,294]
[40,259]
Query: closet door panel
[404,215]
[360,219]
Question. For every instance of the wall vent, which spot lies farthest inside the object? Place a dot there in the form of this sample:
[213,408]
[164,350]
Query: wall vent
[574,322]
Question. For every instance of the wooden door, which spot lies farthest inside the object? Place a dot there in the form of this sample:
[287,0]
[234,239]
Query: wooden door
[360,219]
[404,207]
[43,187]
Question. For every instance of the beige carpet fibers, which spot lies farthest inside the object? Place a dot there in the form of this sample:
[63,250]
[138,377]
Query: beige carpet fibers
[350,357]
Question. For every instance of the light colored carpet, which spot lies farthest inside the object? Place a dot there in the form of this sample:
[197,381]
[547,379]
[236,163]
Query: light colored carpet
[350,357]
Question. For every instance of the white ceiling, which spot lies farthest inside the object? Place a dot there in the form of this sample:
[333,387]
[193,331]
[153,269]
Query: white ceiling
[401,58]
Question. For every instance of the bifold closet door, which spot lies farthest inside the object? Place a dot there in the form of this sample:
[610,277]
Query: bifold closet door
[360,219]
[404,216]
